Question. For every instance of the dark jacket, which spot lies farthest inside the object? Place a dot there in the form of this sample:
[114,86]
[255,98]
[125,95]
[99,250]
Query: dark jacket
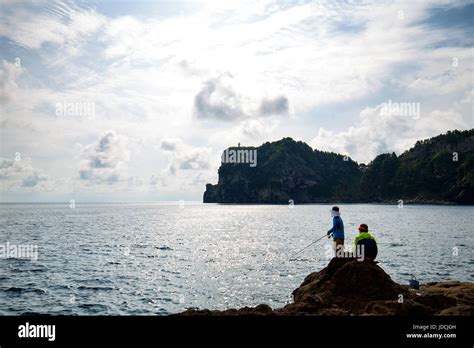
[337,229]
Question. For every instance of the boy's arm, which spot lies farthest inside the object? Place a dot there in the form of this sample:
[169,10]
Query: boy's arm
[331,230]
[356,240]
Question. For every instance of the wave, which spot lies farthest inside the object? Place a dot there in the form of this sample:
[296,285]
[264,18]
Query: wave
[94,307]
[29,313]
[19,290]
[164,247]
[33,270]
[95,288]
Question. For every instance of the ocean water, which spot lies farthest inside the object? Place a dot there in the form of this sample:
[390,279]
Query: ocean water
[157,259]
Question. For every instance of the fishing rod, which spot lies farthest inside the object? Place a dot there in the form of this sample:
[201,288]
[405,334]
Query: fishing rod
[317,240]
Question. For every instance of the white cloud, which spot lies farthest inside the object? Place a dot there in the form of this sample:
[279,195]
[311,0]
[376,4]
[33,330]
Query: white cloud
[190,159]
[170,144]
[187,166]
[468,97]
[217,100]
[9,73]
[220,100]
[33,180]
[19,174]
[54,22]
[195,159]
[378,133]
[104,162]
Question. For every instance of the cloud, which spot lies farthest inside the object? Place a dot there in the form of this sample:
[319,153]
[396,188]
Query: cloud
[33,180]
[182,157]
[9,73]
[253,129]
[276,106]
[157,180]
[468,97]
[378,132]
[170,144]
[53,22]
[135,182]
[217,100]
[187,158]
[104,162]
[187,165]
[196,159]
[220,99]
[20,174]
[9,168]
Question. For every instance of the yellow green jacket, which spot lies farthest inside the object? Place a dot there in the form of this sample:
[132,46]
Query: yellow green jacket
[362,235]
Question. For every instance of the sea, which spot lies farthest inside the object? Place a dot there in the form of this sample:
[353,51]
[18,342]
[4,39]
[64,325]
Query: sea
[164,258]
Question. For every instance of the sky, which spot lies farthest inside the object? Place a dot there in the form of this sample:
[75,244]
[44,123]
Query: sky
[135,101]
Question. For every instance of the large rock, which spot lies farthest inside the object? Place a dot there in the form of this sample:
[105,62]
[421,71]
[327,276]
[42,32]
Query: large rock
[349,287]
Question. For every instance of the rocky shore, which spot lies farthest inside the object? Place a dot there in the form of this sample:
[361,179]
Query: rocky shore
[349,287]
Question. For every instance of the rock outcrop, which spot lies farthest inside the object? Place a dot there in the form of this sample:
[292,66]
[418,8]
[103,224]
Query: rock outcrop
[349,287]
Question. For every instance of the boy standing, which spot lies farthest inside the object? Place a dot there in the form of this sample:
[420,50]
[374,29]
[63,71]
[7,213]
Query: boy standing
[337,229]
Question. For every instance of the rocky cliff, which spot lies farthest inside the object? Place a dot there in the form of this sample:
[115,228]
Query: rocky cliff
[436,170]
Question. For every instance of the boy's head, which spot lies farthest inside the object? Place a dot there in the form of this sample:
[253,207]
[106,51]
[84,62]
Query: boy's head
[335,211]
[363,228]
